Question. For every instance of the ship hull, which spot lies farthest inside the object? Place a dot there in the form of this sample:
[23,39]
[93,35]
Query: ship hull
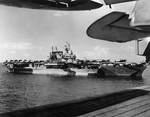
[121,71]
[84,72]
[55,71]
[20,70]
[40,71]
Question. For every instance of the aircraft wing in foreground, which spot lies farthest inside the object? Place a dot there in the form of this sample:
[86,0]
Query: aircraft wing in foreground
[115,27]
[109,2]
[67,5]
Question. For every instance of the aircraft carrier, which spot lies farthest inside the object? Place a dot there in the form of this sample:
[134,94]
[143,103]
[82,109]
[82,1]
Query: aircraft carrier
[63,63]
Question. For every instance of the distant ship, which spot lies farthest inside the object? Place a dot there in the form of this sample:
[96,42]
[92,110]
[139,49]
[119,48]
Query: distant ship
[63,63]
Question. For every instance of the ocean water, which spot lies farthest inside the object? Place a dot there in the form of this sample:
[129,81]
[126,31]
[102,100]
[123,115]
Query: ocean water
[23,91]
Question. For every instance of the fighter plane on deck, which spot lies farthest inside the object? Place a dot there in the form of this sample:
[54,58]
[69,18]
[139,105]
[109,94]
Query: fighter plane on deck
[67,5]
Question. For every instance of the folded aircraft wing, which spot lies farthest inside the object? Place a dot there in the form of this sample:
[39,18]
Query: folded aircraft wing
[115,27]
[109,2]
[147,52]
[67,5]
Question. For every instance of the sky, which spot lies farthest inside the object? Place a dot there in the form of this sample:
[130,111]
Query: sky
[30,34]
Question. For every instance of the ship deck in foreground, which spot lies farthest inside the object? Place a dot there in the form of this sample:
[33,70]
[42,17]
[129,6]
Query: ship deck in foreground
[136,107]
[127,103]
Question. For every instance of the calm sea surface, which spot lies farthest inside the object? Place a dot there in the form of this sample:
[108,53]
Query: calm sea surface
[23,91]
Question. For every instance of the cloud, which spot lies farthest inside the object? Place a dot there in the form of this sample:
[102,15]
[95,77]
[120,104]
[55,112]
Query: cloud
[98,52]
[60,13]
[16,46]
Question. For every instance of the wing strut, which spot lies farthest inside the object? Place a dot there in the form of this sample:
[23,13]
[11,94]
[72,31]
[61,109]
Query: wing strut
[138,47]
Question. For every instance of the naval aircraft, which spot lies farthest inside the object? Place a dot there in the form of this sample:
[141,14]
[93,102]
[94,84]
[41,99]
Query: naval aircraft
[115,26]
[122,27]
[106,28]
